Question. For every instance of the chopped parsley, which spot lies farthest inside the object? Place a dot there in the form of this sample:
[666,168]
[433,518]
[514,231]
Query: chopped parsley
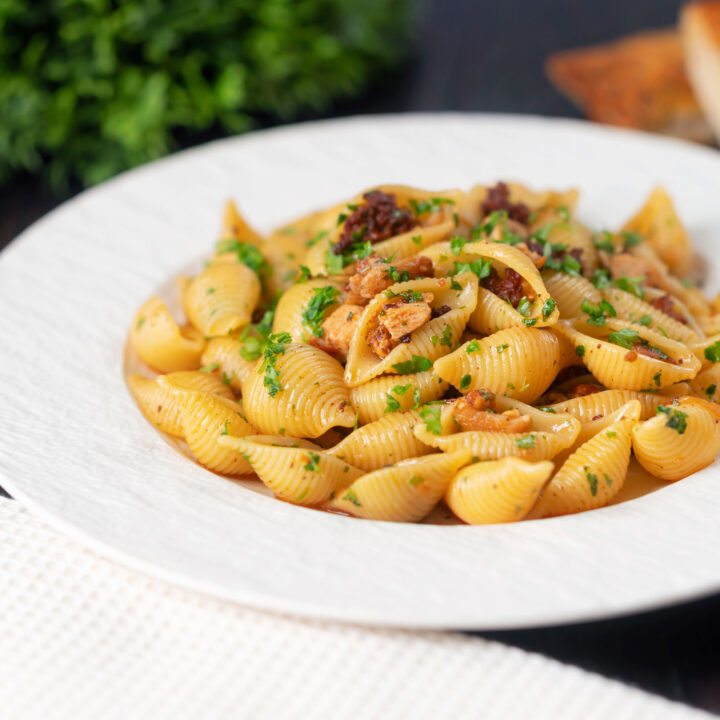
[710,390]
[313,315]
[712,352]
[212,367]
[225,428]
[392,405]
[457,244]
[547,409]
[416,480]
[140,323]
[526,442]
[548,308]
[304,275]
[447,337]
[501,348]
[656,378]
[601,279]
[427,206]
[431,415]
[630,285]
[472,347]
[313,463]
[529,322]
[272,348]
[597,313]
[417,364]
[350,496]
[624,338]
[317,237]
[524,306]
[644,320]
[417,239]
[465,381]
[397,275]
[676,419]
[604,241]
[592,481]
[631,239]
[416,398]
[246,253]
[480,267]
[253,336]
[580,350]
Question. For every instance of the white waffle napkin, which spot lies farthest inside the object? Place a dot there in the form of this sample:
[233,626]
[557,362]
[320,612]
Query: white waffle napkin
[81,637]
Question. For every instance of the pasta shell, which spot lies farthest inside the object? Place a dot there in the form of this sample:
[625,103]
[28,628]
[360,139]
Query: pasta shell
[222,298]
[551,433]
[283,256]
[295,470]
[659,223]
[595,472]
[373,399]
[518,362]
[569,291]
[294,302]
[225,353]
[206,418]
[560,230]
[160,343]
[634,309]
[707,384]
[435,338]
[383,442]
[405,492]
[313,397]
[606,402]
[236,227]
[161,406]
[677,444]
[616,367]
[498,491]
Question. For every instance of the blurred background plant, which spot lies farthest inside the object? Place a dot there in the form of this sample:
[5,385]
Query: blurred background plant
[91,87]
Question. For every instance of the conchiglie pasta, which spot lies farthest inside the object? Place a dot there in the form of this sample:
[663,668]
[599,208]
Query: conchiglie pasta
[606,402]
[574,236]
[295,470]
[313,398]
[549,433]
[162,407]
[291,313]
[374,399]
[569,291]
[519,363]
[283,256]
[205,419]
[595,472]
[383,442]
[236,227]
[161,343]
[224,352]
[622,366]
[680,440]
[707,384]
[636,310]
[436,337]
[405,492]
[498,491]
[221,298]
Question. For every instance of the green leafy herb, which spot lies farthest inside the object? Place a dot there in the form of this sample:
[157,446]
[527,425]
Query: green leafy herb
[225,428]
[426,206]
[644,320]
[597,312]
[227,379]
[417,239]
[529,322]
[317,237]
[431,415]
[392,405]
[592,481]
[710,390]
[630,285]
[524,306]
[631,239]
[246,253]
[416,480]
[465,381]
[417,364]
[580,350]
[502,348]
[447,337]
[677,419]
[210,291]
[604,241]
[397,275]
[712,352]
[548,308]
[547,409]
[304,274]
[140,323]
[626,338]
[457,244]
[601,278]
[610,435]
[480,267]
[350,496]
[472,346]
[656,378]
[212,367]
[526,442]
[416,398]
[314,314]
[313,463]
[563,213]
[272,348]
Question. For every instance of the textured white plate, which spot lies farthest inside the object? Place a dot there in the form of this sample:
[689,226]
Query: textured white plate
[74,447]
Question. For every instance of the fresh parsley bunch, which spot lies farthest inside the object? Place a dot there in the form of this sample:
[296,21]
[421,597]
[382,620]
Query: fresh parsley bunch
[91,87]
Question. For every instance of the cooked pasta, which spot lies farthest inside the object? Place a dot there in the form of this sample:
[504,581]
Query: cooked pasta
[406,346]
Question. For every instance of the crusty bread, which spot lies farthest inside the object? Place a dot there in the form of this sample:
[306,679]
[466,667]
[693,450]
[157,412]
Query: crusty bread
[638,82]
[700,27]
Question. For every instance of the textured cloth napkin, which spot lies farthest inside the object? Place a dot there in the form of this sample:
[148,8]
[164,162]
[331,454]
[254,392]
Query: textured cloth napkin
[81,637]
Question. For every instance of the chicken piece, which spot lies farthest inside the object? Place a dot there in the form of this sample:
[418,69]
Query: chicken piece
[338,329]
[374,274]
[585,389]
[475,411]
[538,258]
[402,318]
[635,267]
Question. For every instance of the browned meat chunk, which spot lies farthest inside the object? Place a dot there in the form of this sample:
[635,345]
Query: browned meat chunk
[537,257]
[474,412]
[664,303]
[377,219]
[338,329]
[625,264]
[511,288]
[652,352]
[498,198]
[396,321]
[373,275]
[584,389]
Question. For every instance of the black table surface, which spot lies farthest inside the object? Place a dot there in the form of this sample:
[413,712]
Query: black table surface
[474,55]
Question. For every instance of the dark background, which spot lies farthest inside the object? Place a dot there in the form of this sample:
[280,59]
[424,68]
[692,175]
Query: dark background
[476,55]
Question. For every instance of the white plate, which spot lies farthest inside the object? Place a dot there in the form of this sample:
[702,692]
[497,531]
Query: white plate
[74,447]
